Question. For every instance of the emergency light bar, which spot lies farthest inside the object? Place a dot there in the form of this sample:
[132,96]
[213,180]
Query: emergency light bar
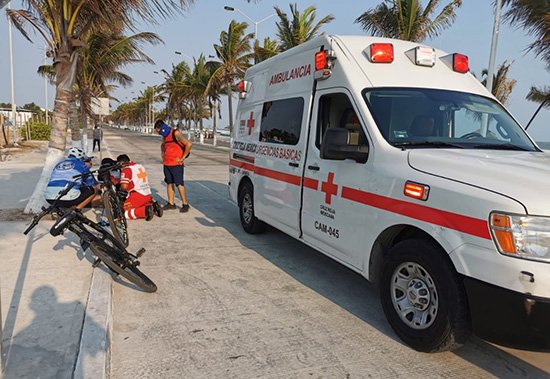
[381,53]
[323,64]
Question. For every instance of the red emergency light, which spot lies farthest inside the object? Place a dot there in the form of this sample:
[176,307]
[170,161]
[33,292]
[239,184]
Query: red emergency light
[321,60]
[416,190]
[381,53]
[243,86]
[324,61]
[460,63]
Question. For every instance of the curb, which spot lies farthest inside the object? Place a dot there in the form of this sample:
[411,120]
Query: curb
[94,350]
[94,353]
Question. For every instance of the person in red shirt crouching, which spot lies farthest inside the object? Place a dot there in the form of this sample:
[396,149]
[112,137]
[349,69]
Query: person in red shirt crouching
[133,180]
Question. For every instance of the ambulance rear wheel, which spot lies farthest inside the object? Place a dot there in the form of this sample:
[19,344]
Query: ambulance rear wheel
[423,297]
[249,221]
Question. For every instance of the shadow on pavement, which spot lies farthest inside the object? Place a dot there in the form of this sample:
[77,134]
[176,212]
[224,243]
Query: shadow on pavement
[48,346]
[332,280]
[35,352]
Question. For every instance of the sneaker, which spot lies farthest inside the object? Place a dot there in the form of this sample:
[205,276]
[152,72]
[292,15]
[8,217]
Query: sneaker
[169,206]
[149,213]
[157,209]
[184,208]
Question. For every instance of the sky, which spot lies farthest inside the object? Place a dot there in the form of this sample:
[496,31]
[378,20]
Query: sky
[199,28]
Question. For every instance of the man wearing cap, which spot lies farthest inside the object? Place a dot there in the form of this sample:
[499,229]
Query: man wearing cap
[86,189]
[175,149]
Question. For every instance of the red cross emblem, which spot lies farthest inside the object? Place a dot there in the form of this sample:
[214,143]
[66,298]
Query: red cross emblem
[142,174]
[329,188]
[250,123]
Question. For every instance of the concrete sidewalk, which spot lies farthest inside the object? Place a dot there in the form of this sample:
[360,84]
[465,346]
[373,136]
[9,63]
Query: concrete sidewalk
[55,306]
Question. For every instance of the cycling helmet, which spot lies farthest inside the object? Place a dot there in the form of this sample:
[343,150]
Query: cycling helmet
[77,153]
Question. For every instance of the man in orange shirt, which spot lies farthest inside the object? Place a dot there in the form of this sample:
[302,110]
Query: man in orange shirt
[175,149]
[133,180]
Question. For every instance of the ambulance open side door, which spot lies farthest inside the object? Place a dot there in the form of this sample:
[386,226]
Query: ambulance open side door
[329,222]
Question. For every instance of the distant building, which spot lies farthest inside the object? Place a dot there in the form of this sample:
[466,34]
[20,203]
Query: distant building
[22,116]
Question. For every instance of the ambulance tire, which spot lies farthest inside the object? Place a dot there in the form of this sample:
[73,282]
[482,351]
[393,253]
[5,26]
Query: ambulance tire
[421,267]
[249,221]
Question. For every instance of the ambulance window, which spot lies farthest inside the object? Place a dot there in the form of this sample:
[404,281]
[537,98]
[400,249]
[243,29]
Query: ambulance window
[282,121]
[336,111]
[427,118]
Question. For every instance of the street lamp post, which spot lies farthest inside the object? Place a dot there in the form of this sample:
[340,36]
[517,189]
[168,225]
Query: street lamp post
[2,3]
[13,106]
[46,85]
[147,111]
[492,58]
[233,9]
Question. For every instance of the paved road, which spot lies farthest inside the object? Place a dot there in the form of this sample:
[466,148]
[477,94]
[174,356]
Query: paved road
[232,305]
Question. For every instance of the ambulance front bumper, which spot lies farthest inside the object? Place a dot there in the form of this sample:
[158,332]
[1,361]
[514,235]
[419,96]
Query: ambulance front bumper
[507,317]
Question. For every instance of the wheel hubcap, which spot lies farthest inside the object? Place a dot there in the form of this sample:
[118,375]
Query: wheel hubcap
[247,208]
[414,295]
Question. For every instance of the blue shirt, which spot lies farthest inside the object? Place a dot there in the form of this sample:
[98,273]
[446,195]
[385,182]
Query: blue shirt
[62,175]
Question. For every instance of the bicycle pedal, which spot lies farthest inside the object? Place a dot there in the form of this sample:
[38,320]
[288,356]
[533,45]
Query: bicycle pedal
[96,263]
[140,252]
[84,244]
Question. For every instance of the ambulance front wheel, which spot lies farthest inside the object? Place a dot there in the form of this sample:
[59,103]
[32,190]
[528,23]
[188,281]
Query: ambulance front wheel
[249,221]
[423,297]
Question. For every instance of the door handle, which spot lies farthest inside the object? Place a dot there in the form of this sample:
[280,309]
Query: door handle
[314,168]
[293,164]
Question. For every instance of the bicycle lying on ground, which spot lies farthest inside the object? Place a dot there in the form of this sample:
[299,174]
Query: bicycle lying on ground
[105,247]
[113,208]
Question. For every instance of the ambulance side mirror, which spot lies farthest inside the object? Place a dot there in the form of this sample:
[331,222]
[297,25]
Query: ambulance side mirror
[335,146]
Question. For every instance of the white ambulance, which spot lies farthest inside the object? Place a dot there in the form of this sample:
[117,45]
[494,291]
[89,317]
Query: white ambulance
[391,158]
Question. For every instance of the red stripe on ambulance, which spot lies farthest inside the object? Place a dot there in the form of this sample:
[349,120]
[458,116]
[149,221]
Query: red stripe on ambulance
[455,221]
[461,223]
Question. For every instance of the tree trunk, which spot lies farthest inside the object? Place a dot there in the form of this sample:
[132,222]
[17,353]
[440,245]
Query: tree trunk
[84,132]
[56,149]
[215,124]
[201,131]
[74,125]
[3,128]
[230,106]
[65,77]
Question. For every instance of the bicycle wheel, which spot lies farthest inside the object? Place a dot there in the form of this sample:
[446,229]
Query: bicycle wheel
[127,269]
[112,253]
[115,215]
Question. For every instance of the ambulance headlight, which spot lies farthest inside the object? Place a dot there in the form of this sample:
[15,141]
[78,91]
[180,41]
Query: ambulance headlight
[521,236]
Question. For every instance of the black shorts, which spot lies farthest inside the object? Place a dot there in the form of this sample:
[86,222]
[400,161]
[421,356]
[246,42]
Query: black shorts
[85,192]
[173,175]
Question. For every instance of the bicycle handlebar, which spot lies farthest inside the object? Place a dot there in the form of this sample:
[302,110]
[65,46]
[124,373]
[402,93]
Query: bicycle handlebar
[106,168]
[37,218]
[47,210]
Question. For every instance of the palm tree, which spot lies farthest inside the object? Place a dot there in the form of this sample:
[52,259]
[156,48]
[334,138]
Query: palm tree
[268,50]
[502,86]
[175,88]
[234,56]
[62,24]
[541,96]
[105,51]
[407,19]
[301,28]
[534,16]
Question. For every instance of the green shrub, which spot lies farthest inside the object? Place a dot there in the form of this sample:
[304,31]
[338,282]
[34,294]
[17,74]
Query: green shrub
[39,131]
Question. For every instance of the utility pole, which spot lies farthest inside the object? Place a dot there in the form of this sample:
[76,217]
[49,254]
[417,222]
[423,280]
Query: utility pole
[13,106]
[492,58]
[2,4]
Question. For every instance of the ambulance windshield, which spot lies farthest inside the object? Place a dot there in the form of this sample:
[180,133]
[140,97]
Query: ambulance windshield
[428,118]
